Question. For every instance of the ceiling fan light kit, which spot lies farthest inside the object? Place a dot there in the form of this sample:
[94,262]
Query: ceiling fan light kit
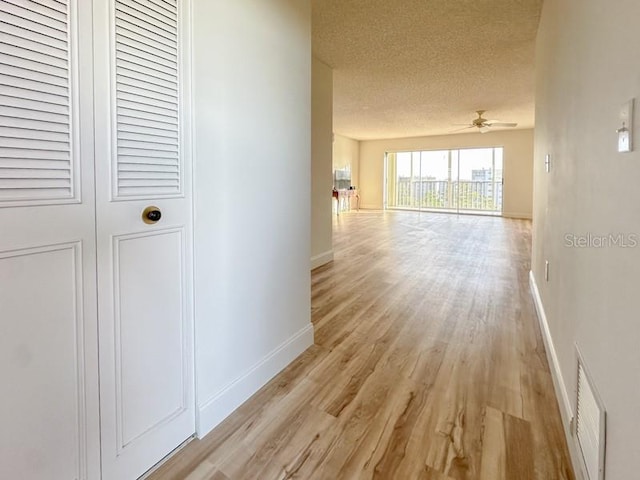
[483,125]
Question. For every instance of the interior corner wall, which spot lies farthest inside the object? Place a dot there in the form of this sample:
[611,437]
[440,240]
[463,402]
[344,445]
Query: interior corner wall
[346,153]
[518,164]
[587,209]
[321,159]
[252,137]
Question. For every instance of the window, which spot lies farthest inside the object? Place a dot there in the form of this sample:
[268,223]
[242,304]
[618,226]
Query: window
[342,178]
[463,180]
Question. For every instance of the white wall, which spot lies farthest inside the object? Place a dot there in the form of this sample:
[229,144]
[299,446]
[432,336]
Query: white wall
[321,159]
[346,153]
[252,89]
[586,70]
[518,164]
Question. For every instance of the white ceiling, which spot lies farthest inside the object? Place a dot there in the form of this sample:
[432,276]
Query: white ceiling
[405,68]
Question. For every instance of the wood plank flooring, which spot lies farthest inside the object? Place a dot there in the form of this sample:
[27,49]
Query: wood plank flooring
[428,364]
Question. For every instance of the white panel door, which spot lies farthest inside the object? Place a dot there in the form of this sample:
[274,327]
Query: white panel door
[144,267]
[49,425]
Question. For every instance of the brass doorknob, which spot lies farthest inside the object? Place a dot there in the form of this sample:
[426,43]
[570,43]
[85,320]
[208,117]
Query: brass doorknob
[151,215]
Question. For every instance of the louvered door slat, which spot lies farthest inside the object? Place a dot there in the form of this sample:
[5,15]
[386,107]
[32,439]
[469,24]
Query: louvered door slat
[164,8]
[168,79]
[142,160]
[11,16]
[147,18]
[144,115]
[32,86]
[145,183]
[26,77]
[150,10]
[133,122]
[26,195]
[33,105]
[138,41]
[32,154]
[25,173]
[31,164]
[166,4]
[138,137]
[43,9]
[132,72]
[36,144]
[38,125]
[35,56]
[13,36]
[130,84]
[126,174]
[59,5]
[33,94]
[128,20]
[44,145]
[142,144]
[29,134]
[28,183]
[132,167]
[147,105]
[142,94]
[28,114]
[148,161]
[137,59]
[21,60]
[144,130]
[146,152]
[35,86]
[140,164]
[132,48]
[28,11]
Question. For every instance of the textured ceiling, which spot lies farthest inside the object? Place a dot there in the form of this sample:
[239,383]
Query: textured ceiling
[405,68]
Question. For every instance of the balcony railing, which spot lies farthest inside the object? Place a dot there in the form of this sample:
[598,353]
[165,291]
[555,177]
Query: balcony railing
[454,195]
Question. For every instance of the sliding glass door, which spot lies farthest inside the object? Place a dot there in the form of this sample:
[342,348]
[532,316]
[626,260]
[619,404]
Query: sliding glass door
[463,180]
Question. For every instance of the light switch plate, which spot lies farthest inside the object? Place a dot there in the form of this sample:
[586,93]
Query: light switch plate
[547,163]
[546,270]
[625,130]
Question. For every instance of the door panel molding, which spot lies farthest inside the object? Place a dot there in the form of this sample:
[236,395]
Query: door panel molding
[119,243]
[23,356]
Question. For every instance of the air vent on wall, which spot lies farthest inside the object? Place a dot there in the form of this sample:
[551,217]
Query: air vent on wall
[590,425]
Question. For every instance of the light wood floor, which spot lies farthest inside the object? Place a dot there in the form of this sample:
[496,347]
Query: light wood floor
[428,364]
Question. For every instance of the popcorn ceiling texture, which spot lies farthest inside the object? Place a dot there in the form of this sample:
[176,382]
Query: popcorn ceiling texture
[405,68]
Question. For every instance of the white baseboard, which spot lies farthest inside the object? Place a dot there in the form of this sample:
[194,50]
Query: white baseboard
[556,372]
[222,404]
[524,216]
[321,259]
[566,411]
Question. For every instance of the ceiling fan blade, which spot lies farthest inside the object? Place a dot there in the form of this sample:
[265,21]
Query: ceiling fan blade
[502,124]
[485,129]
[464,128]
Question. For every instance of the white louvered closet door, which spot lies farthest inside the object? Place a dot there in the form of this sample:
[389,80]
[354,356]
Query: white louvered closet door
[144,265]
[48,326]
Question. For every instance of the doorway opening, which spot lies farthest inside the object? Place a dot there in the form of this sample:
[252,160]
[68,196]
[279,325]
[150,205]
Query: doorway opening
[465,180]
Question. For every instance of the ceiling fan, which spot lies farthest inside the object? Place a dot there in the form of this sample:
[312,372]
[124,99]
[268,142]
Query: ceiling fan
[484,125]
